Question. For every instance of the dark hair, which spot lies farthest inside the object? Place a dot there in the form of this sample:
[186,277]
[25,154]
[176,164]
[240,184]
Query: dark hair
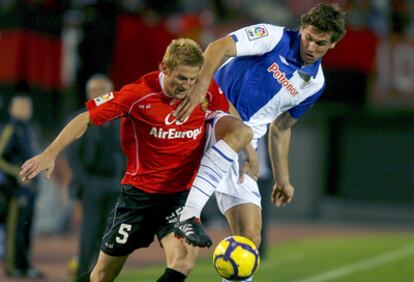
[326,18]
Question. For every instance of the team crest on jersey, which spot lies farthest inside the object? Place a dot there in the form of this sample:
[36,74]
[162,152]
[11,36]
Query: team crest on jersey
[283,60]
[104,98]
[256,32]
[204,105]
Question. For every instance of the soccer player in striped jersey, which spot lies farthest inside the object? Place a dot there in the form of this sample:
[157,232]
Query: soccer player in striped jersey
[274,75]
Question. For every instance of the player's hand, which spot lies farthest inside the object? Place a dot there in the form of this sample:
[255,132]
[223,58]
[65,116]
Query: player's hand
[195,97]
[250,167]
[282,194]
[32,167]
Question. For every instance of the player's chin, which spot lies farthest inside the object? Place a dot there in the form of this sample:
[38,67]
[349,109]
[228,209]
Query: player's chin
[180,95]
[309,61]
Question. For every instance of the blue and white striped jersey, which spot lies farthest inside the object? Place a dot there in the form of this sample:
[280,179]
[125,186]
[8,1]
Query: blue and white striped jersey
[267,77]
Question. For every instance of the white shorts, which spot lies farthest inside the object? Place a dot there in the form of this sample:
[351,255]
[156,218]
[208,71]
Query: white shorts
[230,192]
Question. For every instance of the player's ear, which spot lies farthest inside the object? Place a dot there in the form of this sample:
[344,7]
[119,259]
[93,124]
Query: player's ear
[164,68]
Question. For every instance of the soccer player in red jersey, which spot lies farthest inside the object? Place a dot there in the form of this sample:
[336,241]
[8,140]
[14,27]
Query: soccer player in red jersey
[163,155]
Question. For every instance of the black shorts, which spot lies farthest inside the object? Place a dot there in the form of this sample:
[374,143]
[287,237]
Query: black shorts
[137,217]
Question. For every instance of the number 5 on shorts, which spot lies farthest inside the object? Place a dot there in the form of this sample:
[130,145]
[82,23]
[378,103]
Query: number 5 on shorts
[123,231]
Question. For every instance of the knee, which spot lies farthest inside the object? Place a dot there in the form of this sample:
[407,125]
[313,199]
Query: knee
[244,132]
[239,136]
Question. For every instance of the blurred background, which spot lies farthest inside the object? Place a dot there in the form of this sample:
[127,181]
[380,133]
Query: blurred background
[352,154]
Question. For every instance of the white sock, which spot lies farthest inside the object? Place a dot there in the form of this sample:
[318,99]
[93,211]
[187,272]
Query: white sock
[215,164]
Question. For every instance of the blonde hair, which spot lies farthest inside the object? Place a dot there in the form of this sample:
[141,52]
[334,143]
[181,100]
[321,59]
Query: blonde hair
[183,51]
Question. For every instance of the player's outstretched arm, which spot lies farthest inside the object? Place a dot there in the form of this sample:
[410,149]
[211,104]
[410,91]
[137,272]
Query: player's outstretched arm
[214,56]
[45,161]
[279,143]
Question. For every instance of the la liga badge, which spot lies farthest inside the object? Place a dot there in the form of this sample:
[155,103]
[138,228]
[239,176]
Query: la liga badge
[104,98]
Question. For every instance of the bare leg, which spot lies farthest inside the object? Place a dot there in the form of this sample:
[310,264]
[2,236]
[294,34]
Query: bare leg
[179,256]
[107,268]
[246,220]
[234,132]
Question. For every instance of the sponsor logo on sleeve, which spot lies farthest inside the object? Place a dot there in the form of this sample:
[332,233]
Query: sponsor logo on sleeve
[256,32]
[104,98]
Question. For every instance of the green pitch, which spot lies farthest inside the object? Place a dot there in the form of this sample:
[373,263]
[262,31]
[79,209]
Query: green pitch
[351,258]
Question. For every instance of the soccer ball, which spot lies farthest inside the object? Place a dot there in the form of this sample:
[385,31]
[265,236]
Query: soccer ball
[236,258]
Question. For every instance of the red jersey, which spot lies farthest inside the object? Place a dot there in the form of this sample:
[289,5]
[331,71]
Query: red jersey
[162,153]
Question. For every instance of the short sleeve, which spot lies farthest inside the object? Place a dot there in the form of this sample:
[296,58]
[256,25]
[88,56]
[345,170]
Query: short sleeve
[110,106]
[257,39]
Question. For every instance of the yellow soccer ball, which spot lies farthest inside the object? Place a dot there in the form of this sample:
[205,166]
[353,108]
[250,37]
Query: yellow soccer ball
[236,258]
